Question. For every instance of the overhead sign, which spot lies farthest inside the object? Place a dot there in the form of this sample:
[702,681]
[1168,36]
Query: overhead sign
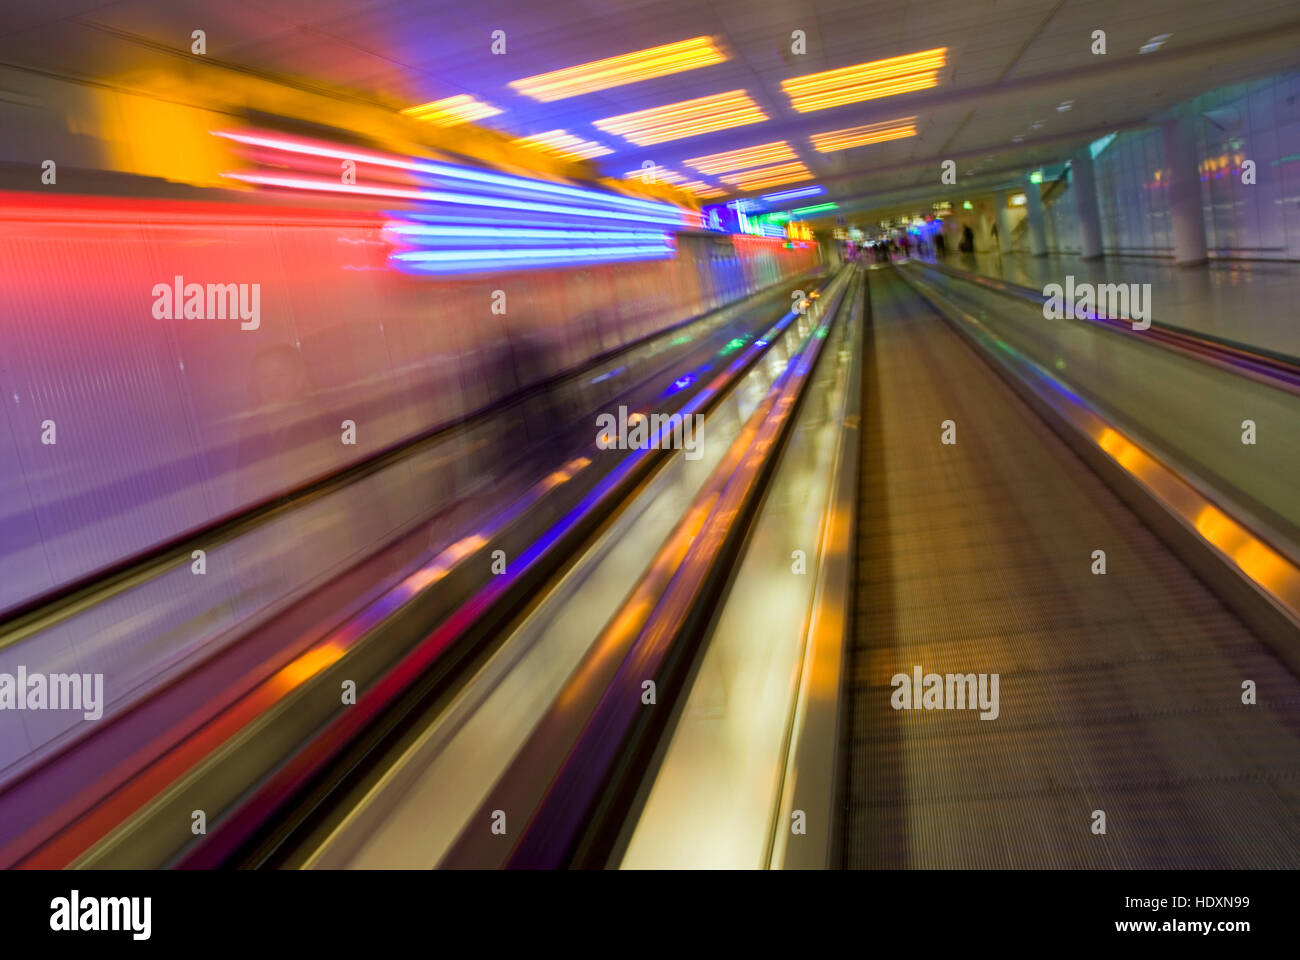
[721,217]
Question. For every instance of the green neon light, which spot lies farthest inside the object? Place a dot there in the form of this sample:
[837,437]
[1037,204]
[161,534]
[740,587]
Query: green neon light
[818,208]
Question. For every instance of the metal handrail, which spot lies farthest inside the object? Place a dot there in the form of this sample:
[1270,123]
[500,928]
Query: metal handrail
[1265,366]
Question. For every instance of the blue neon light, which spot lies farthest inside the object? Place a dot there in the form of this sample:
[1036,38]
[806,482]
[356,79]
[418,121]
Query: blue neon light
[414,233]
[540,186]
[793,194]
[461,261]
[472,219]
[511,204]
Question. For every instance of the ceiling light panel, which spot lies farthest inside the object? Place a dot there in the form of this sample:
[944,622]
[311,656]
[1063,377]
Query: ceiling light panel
[704,191]
[851,137]
[451,111]
[564,144]
[765,177]
[616,71]
[655,174]
[688,118]
[866,81]
[742,159]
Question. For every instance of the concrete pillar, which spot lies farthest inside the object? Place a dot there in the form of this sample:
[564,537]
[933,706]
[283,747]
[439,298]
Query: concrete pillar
[1187,217]
[1003,221]
[1084,189]
[1036,219]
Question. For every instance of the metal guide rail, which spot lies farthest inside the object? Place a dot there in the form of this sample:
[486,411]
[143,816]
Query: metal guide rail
[1274,369]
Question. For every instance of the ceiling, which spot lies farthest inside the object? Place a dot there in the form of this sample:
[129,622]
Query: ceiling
[1009,65]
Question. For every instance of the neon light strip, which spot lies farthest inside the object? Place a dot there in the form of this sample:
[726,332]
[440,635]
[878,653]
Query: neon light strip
[816,208]
[556,253]
[439,196]
[449,170]
[538,233]
[507,233]
[518,219]
[793,194]
[478,260]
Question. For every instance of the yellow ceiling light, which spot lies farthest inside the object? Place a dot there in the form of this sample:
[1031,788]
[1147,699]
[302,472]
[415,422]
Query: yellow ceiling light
[765,177]
[687,118]
[564,144]
[860,136]
[703,190]
[741,159]
[865,81]
[617,71]
[451,111]
[654,174]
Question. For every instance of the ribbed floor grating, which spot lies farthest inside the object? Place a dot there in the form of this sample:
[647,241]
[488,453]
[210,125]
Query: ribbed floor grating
[1119,693]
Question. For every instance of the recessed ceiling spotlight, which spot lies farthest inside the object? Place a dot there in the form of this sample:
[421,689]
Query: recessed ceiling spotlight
[1064,105]
[1155,43]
